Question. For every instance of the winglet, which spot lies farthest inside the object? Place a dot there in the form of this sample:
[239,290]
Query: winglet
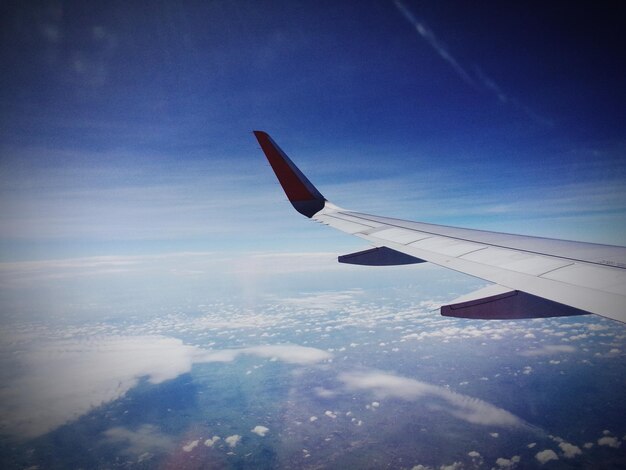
[304,197]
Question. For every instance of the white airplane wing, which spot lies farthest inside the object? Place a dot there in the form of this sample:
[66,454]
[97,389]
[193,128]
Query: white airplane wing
[533,277]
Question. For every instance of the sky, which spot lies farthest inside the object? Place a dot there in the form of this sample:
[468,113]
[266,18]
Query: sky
[158,288]
[126,128]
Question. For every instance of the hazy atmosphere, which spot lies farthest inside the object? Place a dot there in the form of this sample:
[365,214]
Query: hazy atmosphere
[163,306]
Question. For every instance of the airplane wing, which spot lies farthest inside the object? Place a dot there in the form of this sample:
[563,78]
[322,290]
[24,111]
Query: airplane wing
[533,277]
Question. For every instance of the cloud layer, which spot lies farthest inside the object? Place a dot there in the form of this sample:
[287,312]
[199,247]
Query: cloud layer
[58,381]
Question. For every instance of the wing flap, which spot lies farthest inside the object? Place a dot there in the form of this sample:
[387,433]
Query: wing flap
[509,305]
[380,256]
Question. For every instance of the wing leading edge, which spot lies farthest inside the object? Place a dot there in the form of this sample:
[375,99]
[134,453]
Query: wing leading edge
[535,277]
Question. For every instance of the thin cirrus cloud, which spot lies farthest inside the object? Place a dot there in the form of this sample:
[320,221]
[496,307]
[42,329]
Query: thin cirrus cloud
[77,376]
[183,264]
[466,408]
[105,200]
[48,194]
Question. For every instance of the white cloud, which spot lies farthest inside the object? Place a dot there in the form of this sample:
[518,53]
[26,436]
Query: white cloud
[477,459]
[548,350]
[569,450]
[609,441]
[597,327]
[233,440]
[260,430]
[289,353]
[191,445]
[330,414]
[79,375]
[212,441]
[324,392]
[452,466]
[578,337]
[546,455]
[323,300]
[146,439]
[508,463]
[461,406]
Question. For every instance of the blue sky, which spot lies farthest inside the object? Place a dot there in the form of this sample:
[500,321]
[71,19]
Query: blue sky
[126,129]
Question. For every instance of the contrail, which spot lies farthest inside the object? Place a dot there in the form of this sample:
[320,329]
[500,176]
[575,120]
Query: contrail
[437,45]
[478,79]
[490,84]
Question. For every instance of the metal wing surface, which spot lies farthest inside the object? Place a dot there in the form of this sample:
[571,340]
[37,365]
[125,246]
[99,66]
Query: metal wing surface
[534,277]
